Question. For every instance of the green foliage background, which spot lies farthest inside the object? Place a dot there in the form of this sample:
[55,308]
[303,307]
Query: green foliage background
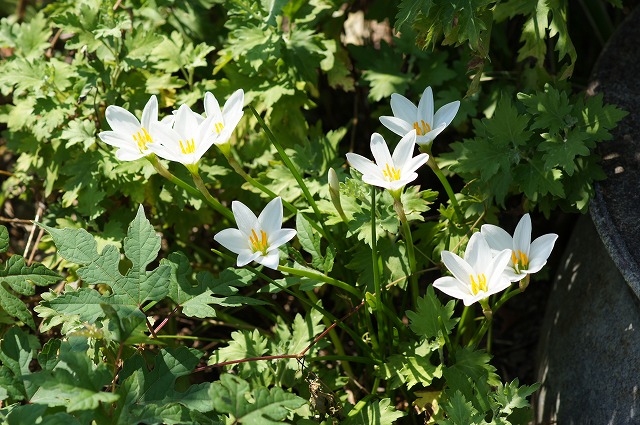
[321,73]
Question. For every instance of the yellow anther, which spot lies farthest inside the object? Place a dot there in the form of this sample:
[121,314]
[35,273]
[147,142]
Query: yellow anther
[391,173]
[422,128]
[189,146]
[141,138]
[481,285]
[259,243]
[520,260]
[218,127]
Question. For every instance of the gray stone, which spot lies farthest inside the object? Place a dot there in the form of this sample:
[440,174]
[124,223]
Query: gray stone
[589,355]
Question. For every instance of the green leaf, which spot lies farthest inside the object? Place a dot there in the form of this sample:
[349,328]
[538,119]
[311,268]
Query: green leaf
[401,369]
[134,288]
[560,152]
[431,316]
[21,277]
[379,412]
[75,382]
[460,411]
[511,396]
[4,239]
[15,307]
[258,406]
[80,131]
[244,345]
[17,349]
[551,108]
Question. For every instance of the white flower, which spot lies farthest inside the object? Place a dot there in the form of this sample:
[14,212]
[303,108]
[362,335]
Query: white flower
[256,239]
[225,120]
[478,275]
[526,257]
[421,119]
[389,172]
[130,136]
[186,140]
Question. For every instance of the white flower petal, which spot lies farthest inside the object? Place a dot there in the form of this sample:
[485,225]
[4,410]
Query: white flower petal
[498,265]
[187,123]
[117,139]
[232,239]
[380,151]
[497,238]
[362,164]
[245,257]
[245,218]
[234,104]
[414,163]
[271,260]
[122,121]
[280,237]
[452,287]
[522,235]
[478,253]
[404,150]
[150,113]
[460,269]
[425,107]
[541,247]
[166,143]
[397,125]
[376,181]
[128,154]
[211,106]
[270,218]
[446,114]
[403,108]
[426,139]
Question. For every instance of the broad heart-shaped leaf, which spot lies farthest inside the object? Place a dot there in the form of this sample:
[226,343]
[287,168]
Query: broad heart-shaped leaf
[233,396]
[16,352]
[75,382]
[380,412]
[431,316]
[133,289]
[149,396]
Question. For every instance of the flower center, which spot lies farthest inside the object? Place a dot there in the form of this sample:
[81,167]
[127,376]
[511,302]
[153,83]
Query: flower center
[259,243]
[189,146]
[422,128]
[218,127]
[391,173]
[481,285]
[520,260]
[141,138]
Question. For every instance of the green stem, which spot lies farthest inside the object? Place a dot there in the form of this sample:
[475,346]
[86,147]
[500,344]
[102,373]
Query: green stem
[408,238]
[238,169]
[376,270]
[357,339]
[210,199]
[289,164]
[447,187]
[322,278]
[333,335]
[164,172]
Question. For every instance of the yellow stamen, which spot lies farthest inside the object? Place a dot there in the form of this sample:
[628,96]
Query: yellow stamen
[481,285]
[422,128]
[141,138]
[520,260]
[188,147]
[218,127]
[259,243]
[391,173]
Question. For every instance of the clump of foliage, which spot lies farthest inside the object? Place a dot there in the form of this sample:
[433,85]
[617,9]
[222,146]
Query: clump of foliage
[153,323]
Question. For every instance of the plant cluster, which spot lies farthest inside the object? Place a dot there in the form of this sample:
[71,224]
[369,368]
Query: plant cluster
[322,307]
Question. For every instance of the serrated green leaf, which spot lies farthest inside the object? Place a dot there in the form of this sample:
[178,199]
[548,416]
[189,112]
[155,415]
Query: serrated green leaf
[80,131]
[460,411]
[75,245]
[551,108]
[15,307]
[378,412]
[21,277]
[4,239]
[511,396]
[258,406]
[142,243]
[560,152]
[244,345]
[17,349]
[411,370]
[431,317]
